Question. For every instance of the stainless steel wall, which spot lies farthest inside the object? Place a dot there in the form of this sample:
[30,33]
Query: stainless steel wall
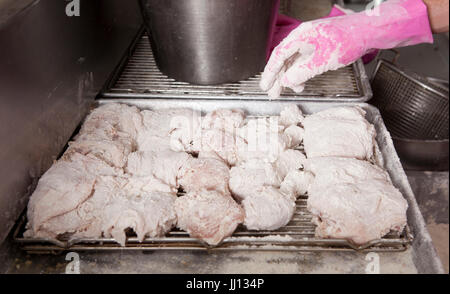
[51,68]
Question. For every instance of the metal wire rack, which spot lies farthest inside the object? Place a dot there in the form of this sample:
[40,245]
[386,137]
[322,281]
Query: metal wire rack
[138,76]
[297,235]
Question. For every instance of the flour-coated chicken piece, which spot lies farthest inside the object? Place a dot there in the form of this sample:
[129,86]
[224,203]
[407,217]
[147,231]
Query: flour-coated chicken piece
[294,136]
[250,176]
[208,215]
[224,119]
[164,166]
[66,185]
[268,209]
[122,117]
[147,184]
[291,115]
[340,169]
[261,138]
[113,150]
[354,200]
[210,154]
[339,132]
[218,142]
[296,183]
[85,220]
[288,161]
[148,214]
[208,174]
[109,133]
[116,204]
[172,129]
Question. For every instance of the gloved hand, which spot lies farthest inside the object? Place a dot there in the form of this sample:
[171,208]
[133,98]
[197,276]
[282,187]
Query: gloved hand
[286,24]
[327,44]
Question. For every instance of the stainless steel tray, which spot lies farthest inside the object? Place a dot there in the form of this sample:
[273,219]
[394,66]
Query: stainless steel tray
[139,77]
[298,235]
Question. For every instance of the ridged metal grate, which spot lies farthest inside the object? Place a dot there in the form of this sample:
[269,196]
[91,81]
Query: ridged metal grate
[297,235]
[139,77]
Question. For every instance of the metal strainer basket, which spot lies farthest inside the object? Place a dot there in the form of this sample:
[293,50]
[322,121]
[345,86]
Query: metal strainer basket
[415,111]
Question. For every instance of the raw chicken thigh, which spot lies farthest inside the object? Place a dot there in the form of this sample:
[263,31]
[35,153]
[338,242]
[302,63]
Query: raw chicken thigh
[64,187]
[85,220]
[294,136]
[291,116]
[296,183]
[208,215]
[165,165]
[168,129]
[247,178]
[217,136]
[268,209]
[354,200]
[208,174]
[219,144]
[224,119]
[123,118]
[339,132]
[115,205]
[109,133]
[288,161]
[263,139]
[264,161]
[150,214]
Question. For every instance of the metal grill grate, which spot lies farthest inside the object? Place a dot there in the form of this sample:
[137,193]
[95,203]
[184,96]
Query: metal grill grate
[139,77]
[297,235]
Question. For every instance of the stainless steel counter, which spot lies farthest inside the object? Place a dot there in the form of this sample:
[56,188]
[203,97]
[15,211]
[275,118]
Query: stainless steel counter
[432,194]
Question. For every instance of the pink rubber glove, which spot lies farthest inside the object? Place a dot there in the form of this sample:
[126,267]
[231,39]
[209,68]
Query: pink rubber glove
[327,44]
[286,24]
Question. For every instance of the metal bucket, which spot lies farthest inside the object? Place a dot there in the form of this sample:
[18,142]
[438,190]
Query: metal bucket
[210,41]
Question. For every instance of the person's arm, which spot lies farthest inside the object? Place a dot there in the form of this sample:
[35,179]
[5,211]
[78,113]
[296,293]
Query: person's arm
[317,46]
[438,15]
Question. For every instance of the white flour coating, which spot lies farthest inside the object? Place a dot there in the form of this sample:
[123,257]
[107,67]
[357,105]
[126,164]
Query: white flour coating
[339,132]
[288,161]
[268,209]
[247,178]
[204,174]
[168,129]
[148,214]
[65,186]
[294,136]
[291,115]
[164,166]
[117,203]
[271,238]
[224,119]
[208,215]
[297,183]
[261,139]
[354,200]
